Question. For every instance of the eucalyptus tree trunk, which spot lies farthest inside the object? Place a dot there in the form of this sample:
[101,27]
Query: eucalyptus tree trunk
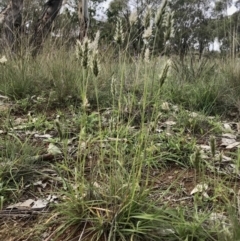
[83,17]
[43,26]
[11,21]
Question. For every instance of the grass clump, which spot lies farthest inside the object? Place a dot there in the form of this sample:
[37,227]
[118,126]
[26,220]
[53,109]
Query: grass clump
[112,209]
[17,166]
[18,79]
[127,133]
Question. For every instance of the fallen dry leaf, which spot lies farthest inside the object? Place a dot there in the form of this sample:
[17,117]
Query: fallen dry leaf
[231,146]
[227,141]
[22,205]
[227,127]
[199,188]
[53,149]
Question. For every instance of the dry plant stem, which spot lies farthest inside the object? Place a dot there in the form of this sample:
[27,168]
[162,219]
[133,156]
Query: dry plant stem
[51,235]
[81,235]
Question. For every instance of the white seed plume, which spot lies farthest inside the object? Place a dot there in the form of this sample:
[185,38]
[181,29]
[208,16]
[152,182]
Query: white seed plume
[147,55]
[164,73]
[113,86]
[147,17]
[78,49]
[119,36]
[160,13]
[83,51]
[147,32]
[87,53]
[94,45]
[133,18]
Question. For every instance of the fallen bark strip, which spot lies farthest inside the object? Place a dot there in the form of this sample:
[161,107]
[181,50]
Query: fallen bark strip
[44,157]
[17,213]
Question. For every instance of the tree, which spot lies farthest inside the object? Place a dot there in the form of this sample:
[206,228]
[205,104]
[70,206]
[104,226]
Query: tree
[11,19]
[43,25]
[118,9]
[225,27]
[191,25]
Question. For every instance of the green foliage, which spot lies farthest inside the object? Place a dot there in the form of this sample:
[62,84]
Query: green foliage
[197,86]
[117,8]
[17,80]
[115,211]
[190,15]
[17,167]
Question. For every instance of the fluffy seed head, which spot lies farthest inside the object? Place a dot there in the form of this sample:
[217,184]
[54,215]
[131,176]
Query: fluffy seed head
[119,36]
[160,14]
[113,86]
[85,53]
[82,52]
[163,75]
[169,30]
[147,55]
[147,17]
[85,103]
[147,34]
[95,66]
[78,49]
[133,18]
[94,45]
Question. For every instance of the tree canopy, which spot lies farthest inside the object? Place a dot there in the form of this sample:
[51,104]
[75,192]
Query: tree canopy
[196,24]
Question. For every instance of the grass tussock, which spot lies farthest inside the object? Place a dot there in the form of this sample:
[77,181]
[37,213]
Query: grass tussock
[130,140]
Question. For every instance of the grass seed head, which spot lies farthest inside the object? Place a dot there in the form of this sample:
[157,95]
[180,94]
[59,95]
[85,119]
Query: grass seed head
[147,34]
[147,55]
[78,50]
[95,66]
[160,14]
[82,52]
[147,17]
[213,145]
[94,44]
[196,159]
[113,86]
[172,31]
[85,53]
[168,33]
[85,103]
[133,18]
[163,75]
[119,36]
